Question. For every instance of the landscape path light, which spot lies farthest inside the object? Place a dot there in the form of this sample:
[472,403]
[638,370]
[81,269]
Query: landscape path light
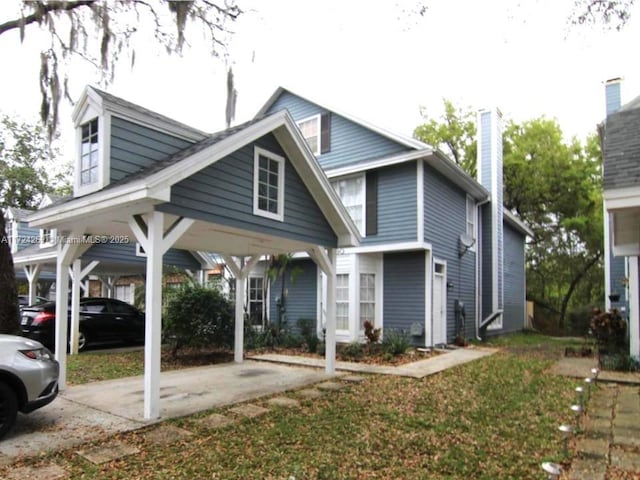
[552,470]
[566,431]
[577,409]
[580,394]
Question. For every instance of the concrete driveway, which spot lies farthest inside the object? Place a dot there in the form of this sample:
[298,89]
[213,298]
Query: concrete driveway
[86,412]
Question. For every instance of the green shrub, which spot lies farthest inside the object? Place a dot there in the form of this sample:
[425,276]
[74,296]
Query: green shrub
[352,351]
[395,342]
[198,316]
[308,333]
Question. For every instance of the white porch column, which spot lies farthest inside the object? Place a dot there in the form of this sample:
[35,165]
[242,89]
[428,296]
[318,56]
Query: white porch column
[156,242]
[32,273]
[238,347]
[76,270]
[67,252]
[634,306]
[326,260]
[241,271]
[77,274]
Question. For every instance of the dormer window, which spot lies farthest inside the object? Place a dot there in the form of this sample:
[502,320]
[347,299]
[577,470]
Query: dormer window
[316,131]
[89,153]
[47,237]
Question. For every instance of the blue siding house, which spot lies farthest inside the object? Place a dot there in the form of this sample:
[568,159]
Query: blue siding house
[439,258]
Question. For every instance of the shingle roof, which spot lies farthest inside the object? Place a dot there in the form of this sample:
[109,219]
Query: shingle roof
[622,147]
[171,160]
[145,111]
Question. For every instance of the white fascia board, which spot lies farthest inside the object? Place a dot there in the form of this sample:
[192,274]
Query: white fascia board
[517,223]
[621,198]
[388,247]
[628,250]
[443,164]
[36,258]
[379,163]
[407,141]
[101,201]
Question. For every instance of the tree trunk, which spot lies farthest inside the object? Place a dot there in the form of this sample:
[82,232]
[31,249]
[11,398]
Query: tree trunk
[572,287]
[9,312]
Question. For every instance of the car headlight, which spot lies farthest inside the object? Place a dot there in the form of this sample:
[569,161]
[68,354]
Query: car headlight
[37,354]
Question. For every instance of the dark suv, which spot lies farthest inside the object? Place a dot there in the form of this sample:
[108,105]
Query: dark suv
[102,320]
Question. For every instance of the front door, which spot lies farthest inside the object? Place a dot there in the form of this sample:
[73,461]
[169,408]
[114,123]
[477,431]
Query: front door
[439,304]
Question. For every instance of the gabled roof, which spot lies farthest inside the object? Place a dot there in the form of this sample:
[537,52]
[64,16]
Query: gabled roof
[104,101]
[621,150]
[153,185]
[401,139]
[17,213]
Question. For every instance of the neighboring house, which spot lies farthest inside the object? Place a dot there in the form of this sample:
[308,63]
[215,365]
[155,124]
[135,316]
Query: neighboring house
[620,138]
[439,258]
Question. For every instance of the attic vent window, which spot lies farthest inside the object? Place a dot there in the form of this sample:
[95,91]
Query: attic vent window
[268,185]
[89,153]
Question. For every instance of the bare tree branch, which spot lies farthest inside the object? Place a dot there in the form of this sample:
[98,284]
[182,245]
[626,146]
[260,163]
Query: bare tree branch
[41,11]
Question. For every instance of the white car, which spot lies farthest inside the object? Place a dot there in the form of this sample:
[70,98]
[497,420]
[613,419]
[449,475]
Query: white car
[28,378]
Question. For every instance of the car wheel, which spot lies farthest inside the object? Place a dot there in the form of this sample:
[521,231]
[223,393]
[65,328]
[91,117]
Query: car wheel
[8,408]
[82,340]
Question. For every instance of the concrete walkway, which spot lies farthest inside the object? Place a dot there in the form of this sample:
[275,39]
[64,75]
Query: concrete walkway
[609,445]
[419,369]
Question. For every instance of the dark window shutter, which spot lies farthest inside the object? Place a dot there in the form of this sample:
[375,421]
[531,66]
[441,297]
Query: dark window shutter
[325,133]
[371,222]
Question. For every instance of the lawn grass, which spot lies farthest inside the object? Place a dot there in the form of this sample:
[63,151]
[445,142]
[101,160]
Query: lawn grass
[494,418]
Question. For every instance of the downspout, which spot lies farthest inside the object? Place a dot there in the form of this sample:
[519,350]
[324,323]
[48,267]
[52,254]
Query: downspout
[478,268]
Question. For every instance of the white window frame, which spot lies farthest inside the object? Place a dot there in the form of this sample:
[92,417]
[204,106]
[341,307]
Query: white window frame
[89,114]
[89,154]
[13,235]
[47,239]
[362,302]
[471,230]
[343,302]
[251,300]
[362,196]
[318,122]
[261,152]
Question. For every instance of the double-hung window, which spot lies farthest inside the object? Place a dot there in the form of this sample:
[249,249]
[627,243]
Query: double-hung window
[310,129]
[89,154]
[351,191]
[471,218]
[268,184]
[367,299]
[256,301]
[342,302]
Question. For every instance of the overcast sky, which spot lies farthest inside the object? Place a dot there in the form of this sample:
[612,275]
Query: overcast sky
[374,60]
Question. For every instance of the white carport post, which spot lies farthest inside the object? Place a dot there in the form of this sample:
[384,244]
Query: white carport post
[241,272]
[68,248]
[77,273]
[32,272]
[108,284]
[155,242]
[326,260]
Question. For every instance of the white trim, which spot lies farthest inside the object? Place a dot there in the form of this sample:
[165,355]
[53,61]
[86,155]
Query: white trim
[627,250]
[362,228]
[619,198]
[140,252]
[428,298]
[420,199]
[516,223]
[52,234]
[14,235]
[634,308]
[474,220]
[318,119]
[443,274]
[406,141]
[388,247]
[379,163]
[261,152]
[104,157]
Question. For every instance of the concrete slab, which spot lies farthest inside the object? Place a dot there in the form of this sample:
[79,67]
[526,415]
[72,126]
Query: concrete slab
[216,420]
[574,367]
[625,459]
[284,402]
[597,448]
[166,434]
[187,391]
[331,386]
[310,393]
[419,369]
[48,472]
[353,378]
[626,437]
[108,452]
[249,410]
[60,425]
[587,469]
